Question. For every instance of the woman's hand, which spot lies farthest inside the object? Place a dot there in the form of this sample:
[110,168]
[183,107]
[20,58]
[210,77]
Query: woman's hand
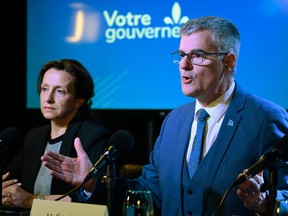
[14,196]
[6,182]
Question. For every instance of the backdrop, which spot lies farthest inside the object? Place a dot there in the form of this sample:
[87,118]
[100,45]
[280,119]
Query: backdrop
[126,46]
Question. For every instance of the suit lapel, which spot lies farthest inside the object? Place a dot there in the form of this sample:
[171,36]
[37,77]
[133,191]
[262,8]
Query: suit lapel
[40,141]
[68,140]
[183,137]
[215,155]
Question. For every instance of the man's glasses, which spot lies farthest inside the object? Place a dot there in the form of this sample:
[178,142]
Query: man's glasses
[195,58]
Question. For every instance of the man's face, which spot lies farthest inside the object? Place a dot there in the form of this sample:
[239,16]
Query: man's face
[206,80]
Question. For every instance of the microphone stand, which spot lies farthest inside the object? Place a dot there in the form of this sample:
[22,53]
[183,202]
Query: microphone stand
[111,173]
[272,185]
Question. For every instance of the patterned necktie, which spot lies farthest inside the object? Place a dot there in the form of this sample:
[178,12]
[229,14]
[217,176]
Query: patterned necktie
[197,145]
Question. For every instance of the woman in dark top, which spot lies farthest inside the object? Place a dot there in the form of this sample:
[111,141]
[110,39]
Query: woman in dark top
[66,89]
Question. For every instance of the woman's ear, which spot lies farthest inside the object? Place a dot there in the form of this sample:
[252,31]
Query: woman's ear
[79,102]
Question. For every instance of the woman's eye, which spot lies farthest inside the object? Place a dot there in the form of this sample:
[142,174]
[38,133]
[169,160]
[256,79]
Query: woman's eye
[60,91]
[44,89]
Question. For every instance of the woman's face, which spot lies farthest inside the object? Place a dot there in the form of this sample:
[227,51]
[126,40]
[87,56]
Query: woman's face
[57,96]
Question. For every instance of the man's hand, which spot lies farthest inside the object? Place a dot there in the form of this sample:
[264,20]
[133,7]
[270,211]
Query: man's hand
[67,169]
[250,193]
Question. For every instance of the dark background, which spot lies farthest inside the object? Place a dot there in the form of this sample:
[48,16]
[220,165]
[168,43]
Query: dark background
[144,125]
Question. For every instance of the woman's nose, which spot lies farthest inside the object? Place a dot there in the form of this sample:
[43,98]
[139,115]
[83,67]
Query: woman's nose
[50,97]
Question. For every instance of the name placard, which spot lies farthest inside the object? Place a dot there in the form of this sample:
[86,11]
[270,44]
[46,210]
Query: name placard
[60,208]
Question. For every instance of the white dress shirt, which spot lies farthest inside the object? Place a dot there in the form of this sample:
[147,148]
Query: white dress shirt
[216,111]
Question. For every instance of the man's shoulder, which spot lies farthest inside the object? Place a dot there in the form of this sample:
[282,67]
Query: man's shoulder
[185,107]
[183,111]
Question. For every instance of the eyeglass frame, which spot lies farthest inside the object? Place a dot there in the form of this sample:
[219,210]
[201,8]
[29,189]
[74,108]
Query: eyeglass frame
[201,53]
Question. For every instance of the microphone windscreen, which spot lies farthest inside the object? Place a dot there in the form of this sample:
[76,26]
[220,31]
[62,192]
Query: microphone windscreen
[122,140]
[7,137]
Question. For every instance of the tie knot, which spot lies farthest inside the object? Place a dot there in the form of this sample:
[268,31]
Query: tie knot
[202,115]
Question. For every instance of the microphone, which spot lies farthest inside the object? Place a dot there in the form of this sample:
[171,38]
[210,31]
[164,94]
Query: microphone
[120,143]
[7,137]
[267,160]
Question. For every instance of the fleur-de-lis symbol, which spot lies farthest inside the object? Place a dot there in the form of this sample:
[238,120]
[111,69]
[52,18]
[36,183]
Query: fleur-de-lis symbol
[176,16]
[230,123]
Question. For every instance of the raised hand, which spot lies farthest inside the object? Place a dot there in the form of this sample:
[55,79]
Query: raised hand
[67,169]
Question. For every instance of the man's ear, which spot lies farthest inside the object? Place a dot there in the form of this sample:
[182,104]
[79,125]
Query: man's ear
[231,60]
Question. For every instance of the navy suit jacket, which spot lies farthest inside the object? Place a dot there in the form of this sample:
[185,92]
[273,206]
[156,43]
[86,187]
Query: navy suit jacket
[26,165]
[250,128]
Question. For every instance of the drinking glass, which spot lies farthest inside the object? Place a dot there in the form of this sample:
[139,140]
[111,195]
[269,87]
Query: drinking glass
[281,208]
[138,203]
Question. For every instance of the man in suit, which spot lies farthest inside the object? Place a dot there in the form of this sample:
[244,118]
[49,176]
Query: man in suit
[240,128]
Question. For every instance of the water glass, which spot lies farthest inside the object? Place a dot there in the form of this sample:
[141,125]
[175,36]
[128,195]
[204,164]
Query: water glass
[138,203]
[281,208]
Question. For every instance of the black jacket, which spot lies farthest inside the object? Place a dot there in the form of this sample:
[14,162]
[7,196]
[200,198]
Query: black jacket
[26,164]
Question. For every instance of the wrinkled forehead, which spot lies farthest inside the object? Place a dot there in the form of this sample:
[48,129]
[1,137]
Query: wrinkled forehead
[200,40]
[56,77]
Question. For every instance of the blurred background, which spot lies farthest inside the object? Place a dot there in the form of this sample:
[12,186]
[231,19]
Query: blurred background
[126,47]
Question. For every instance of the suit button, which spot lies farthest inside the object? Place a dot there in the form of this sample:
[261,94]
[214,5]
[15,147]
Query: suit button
[189,213]
[189,192]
